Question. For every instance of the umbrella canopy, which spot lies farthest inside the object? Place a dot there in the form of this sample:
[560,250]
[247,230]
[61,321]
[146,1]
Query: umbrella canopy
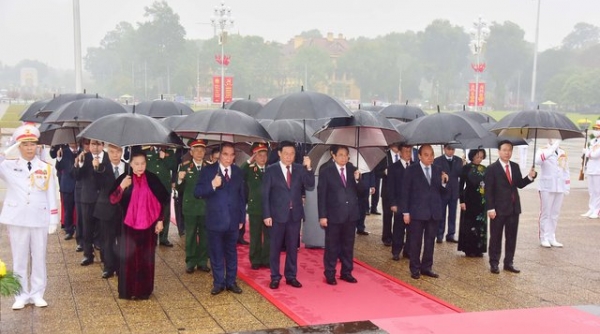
[369,107]
[32,113]
[248,107]
[489,141]
[403,112]
[58,101]
[53,134]
[537,124]
[222,125]
[290,129]
[84,111]
[162,108]
[363,129]
[478,117]
[172,122]
[303,106]
[442,128]
[367,157]
[130,130]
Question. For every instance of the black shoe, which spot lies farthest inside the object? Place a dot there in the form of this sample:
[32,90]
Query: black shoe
[415,275]
[79,248]
[97,248]
[69,236]
[204,269]
[429,273]
[166,243]
[494,269]
[368,213]
[405,255]
[396,257]
[234,288]
[293,282]
[512,269]
[451,240]
[331,281]
[439,241]
[362,233]
[274,284]
[242,242]
[108,274]
[387,243]
[376,213]
[265,266]
[87,261]
[255,267]
[189,270]
[216,291]
[348,278]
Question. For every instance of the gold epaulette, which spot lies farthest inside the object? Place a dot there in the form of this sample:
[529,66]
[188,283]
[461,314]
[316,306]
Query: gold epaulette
[186,163]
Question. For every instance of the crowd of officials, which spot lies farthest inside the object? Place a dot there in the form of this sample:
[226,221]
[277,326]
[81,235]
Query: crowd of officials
[117,206]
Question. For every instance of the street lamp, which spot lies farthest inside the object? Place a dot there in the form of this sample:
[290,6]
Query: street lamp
[479,33]
[535,54]
[221,20]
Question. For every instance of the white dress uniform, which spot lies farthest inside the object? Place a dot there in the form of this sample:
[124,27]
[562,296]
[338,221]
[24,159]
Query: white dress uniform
[554,182]
[30,213]
[592,171]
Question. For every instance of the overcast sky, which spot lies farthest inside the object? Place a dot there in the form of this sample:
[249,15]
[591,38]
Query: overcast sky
[43,29]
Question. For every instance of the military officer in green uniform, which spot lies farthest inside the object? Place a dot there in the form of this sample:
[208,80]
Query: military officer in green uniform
[163,163]
[194,209]
[253,171]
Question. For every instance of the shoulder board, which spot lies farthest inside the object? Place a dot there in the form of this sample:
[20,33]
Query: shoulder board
[185,163]
[252,165]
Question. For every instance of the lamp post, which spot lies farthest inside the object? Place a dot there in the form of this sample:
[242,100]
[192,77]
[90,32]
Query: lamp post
[479,33]
[535,53]
[221,20]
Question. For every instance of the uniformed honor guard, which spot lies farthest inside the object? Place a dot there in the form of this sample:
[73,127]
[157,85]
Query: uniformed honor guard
[254,170]
[163,162]
[194,209]
[30,213]
[592,171]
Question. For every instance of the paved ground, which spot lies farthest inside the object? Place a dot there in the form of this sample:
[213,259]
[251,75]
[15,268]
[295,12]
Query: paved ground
[80,301]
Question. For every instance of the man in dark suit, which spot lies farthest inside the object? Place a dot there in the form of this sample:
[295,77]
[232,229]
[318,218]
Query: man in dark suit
[381,171]
[421,206]
[368,181]
[452,166]
[109,215]
[395,178]
[502,179]
[84,147]
[65,159]
[84,171]
[338,192]
[283,210]
[221,185]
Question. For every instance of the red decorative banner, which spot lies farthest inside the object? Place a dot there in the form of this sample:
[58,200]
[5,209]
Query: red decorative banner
[472,94]
[217,89]
[478,94]
[481,94]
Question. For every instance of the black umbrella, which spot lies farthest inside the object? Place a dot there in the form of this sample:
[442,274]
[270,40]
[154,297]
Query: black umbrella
[489,141]
[84,111]
[290,130]
[403,112]
[478,117]
[32,113]
[370,107]
[58,101]
[172,122]
[130,130]
[53,134]
[222,125]
[248,107]
[537,123]
[162,108]
[442,128]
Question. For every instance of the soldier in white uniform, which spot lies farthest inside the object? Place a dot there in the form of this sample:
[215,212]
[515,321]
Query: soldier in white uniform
[30,214]
[553,183]
[592,171]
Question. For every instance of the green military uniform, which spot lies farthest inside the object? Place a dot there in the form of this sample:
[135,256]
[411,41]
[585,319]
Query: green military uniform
[163,168]
[259,232]
[194,215]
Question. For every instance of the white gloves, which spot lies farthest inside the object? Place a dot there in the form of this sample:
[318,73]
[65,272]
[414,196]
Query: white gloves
[52,228]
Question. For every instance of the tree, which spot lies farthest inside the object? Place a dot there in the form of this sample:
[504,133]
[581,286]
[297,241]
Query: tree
[582,36]
[311,65]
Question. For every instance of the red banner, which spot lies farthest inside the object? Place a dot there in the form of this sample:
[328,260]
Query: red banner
[478,94]
[217,89]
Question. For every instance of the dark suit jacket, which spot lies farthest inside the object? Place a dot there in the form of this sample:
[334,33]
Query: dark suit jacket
[90,188]
[105,178]
[64,167]
[453,170]
[276,196]
[226,205]
[500,195]
[379,171]
[337,203]
[394,183]
[420,199]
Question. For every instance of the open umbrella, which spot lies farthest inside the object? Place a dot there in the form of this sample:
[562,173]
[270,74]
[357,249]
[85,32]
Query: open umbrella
[370,107]
[84,111]
[32,113]
[248,107]
[172,122]
[478,117]
[130,130]
[442,128]
[162,108]
[53,134]
[222,125]
[403,112]
[367,157]
[537,123]
[290,130]
[58,101]
[489,141]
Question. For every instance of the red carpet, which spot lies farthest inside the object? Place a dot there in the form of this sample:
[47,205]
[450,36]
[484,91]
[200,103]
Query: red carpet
[375,296]
[540,320]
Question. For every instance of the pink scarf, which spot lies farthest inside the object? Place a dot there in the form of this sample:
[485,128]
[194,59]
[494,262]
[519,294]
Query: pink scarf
[144,208]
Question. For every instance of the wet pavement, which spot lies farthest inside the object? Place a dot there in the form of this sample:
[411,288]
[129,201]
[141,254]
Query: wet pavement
[81,301]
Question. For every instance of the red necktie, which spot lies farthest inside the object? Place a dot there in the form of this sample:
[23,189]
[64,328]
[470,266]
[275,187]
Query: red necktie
[289,177]
[343,175]
[507,173]
[226,175]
